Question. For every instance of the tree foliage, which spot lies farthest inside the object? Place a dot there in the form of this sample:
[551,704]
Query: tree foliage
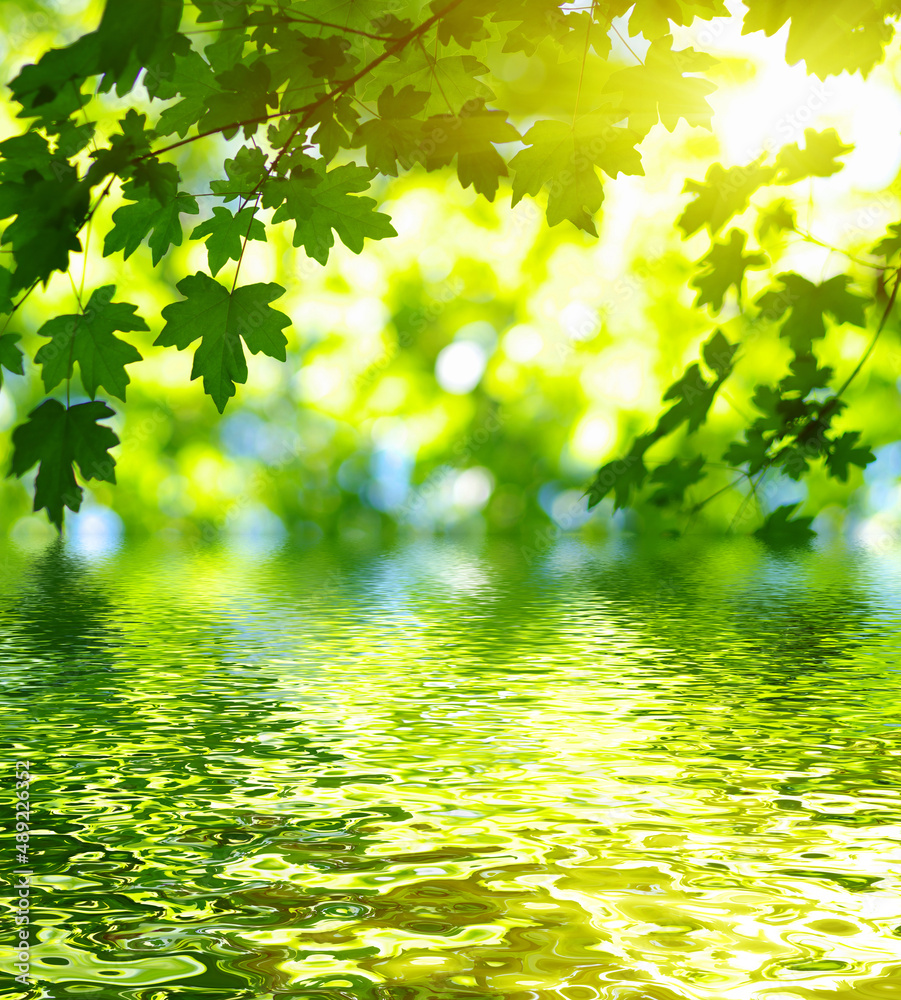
[316,99]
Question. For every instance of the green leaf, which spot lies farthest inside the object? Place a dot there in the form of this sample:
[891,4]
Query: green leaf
[722,194]
[779,528]
[194,82]
[396,135]
[319,201]
[777,218]
[890,244]
[470,137]
[454,77]
[563,157]
[463,24]
[222,320]
[133,222]
[132,142]
[51,207]
[652,17]
[719,354]
[845,451]
[831,36]
[244,98]
[10,355]
[245,174]
[753,451]
[131,34]
[805,306]
[695,395]
[328,57]
[88,339]
[806,375]
[725,266]
[333,117]
[50,90]
[59,438]
[623,477]
[817,159]
[675,477]
[660,91]
[227,234]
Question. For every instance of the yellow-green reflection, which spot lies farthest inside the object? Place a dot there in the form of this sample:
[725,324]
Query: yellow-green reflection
[442,771]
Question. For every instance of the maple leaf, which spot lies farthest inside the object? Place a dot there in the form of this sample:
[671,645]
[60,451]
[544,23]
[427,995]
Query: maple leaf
[222,320]
[890,244]
[722,194]
[830,36]
[817,159]
[845,451]
[807,305]
[780,528]
[659,90]
[245,171]
[88,339]
[623,477]
[10,355]
[563,157]
[753,451]
[806,375]
[49,213]
[58,438]
[675,477]
[227,234]
[244,97]
[50,90]
[318,201]
[396,136]
[333,118]
[652,17]
[464,23]
[470,137]
[725,266]
[452,77]
[194,82]
[778,217]
[147,217]
[719,354]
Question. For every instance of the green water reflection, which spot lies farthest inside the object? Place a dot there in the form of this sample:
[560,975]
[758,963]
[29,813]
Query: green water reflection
[446,771]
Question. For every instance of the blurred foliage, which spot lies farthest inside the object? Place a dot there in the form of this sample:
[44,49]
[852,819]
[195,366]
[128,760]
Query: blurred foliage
[726,365]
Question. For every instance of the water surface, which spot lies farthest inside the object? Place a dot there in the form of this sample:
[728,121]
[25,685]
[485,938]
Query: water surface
[451,770]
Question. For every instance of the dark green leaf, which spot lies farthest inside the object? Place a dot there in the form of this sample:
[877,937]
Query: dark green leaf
[725,266]
[845,451]
[722,194]
[227,234]
[245,173]
[807,305]
[470,137]
[59,438]
[675,477]
[319,201]
[133,222]
[779,527]
[88,339]
[222,319]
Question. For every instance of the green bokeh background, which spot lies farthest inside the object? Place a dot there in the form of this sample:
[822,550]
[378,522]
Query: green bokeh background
[361,434]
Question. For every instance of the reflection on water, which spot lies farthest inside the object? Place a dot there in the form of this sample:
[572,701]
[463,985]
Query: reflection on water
[445,771]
